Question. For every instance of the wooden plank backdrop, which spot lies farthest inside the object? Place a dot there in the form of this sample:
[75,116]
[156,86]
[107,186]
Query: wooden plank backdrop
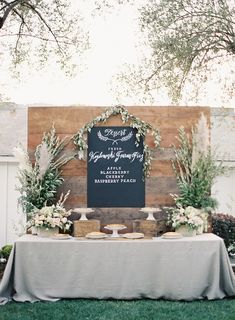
[68,120]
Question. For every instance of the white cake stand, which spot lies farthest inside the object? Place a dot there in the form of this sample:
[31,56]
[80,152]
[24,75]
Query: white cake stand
[115,228]
[150,211]
[83,212]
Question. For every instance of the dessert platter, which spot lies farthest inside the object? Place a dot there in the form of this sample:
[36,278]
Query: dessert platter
[61,236]
[133,235]
[115,228]
[83,212]
[96,235]
[172,235]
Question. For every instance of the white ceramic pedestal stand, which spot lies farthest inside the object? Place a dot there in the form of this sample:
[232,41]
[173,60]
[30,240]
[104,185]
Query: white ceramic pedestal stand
[150,211]
[83,212]
[115,230]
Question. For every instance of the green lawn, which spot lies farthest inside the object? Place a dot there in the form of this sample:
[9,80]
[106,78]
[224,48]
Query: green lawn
[82,309]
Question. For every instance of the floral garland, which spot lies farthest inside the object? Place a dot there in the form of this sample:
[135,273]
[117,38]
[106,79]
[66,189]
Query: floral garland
[142,127]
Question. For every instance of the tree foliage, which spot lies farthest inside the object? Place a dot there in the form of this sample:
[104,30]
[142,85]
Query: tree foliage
[186,37]
[40,28]
[190,42]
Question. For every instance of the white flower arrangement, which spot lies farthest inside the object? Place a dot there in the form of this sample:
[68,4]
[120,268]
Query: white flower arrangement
[51,217]
[185,216]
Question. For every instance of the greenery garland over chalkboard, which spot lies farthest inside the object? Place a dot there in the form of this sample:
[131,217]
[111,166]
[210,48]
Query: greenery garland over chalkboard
[142,127]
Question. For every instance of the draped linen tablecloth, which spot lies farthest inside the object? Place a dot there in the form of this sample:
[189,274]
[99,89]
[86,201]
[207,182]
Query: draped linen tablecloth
[180,269]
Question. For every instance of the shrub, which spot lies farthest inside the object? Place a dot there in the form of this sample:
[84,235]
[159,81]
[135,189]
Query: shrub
[5,251]
[223,225]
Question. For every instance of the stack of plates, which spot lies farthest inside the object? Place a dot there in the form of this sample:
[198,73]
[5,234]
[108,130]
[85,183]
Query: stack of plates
[96,235]
[133,235]
[172,235]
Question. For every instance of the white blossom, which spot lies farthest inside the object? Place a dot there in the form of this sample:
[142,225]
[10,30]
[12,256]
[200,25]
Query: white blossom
[44,160]
[23,158]
[201,140]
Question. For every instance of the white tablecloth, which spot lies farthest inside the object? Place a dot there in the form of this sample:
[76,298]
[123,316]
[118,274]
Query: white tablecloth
[181,269]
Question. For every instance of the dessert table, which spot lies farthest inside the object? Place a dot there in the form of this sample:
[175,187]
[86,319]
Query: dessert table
[176,269]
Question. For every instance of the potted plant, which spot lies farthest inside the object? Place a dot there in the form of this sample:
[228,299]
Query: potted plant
[185,220]
[49,219]
[39,179]
[196,168]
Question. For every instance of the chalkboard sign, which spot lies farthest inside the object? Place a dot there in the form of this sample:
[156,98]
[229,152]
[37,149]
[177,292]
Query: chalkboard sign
[115,168]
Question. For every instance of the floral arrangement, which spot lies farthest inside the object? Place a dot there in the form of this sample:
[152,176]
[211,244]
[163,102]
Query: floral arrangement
[196,168]
[185,216]
[40,179]
[142,127]
[51,217]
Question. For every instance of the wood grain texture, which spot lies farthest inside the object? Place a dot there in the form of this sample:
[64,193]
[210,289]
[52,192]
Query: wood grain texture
[68,120]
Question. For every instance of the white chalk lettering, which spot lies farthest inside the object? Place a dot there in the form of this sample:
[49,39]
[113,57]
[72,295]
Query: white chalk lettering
[96,156]
[114,133]
[128,181]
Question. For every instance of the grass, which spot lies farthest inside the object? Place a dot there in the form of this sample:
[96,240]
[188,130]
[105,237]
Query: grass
[83,309]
